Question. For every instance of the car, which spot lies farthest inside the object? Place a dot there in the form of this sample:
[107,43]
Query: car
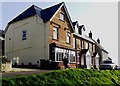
[107,64]
[117,67]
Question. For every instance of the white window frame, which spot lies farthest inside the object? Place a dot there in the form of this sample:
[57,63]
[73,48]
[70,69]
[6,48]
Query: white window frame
[73,54]
[62,16]
[73,42]
[58,50]
[55,33]
[86,45]
[68,37]
[76,28]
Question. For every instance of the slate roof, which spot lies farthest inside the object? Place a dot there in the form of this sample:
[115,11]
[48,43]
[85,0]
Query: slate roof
[49,12]
[100,46]
[44,14]
[85,37]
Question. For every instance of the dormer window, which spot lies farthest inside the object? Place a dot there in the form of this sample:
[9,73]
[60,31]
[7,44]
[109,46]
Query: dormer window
[76,28]
[62,16]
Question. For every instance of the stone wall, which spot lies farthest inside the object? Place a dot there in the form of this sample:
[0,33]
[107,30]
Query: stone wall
[6,67]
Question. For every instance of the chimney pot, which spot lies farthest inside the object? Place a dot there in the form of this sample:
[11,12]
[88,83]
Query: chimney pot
[98,40]
[90,35]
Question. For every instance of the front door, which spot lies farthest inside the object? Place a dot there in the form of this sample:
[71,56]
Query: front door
[88,61]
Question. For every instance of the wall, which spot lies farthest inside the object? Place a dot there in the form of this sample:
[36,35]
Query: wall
[64,27]
[104,55]
[35,47]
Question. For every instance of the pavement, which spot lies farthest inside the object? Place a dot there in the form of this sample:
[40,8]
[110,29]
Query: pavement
[23,71]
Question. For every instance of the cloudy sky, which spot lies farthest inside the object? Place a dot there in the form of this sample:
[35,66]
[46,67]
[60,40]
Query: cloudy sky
[99,17]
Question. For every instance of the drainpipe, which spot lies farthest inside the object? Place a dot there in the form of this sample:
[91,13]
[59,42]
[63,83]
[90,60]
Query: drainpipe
[76,53]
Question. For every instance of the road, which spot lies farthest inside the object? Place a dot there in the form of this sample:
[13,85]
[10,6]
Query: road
[20,72]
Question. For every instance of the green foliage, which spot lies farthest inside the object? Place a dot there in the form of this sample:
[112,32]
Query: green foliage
[68,77]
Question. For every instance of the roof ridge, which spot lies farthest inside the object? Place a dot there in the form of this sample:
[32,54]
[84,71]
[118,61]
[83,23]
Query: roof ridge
[37,7]
[53,5]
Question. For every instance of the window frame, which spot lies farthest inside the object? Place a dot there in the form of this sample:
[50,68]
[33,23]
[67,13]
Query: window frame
[73,42]
[55,33]
[74,56]
[68,36]
[80,44]
[86,43]
[62,17]
[24,35]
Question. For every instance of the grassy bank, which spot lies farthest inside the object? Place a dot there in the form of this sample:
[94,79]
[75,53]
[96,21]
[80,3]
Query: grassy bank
[70,77]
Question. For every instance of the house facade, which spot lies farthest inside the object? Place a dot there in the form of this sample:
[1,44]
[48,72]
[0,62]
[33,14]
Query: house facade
[103,53]
[84,47]
[49,34]
[37,36]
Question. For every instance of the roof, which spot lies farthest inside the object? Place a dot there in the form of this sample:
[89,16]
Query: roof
[27,13]
[100,46]
[85,37]
[44,14]
[49,12]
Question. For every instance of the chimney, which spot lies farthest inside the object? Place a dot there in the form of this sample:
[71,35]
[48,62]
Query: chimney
[98,40]
[90,35]
[80,29]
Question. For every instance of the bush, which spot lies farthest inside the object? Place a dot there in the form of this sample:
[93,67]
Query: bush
[69,77]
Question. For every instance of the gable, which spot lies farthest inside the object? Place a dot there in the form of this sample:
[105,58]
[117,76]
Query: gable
[88,53]
[49,12]
[97,55]
[66,23]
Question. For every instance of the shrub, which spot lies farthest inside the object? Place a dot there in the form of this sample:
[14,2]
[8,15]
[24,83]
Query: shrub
[69,77]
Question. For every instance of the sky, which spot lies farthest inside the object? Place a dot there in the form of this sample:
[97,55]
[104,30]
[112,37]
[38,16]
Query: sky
[99,17]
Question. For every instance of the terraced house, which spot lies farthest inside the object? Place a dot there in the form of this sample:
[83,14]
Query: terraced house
[84,47]
[48,34]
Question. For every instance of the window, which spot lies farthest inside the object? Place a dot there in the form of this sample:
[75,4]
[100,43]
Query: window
[59,56]
[68,37]
[72,56]
[62,16]
[76,28]
[55,33]
[24,35]
[80,43]
[93,47]
[73,42]
[78,58]
[86,45]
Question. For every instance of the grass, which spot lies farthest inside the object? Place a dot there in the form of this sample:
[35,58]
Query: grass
[68,77]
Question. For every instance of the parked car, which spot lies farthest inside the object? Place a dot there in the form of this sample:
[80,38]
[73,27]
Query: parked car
[107,64]
[117,67]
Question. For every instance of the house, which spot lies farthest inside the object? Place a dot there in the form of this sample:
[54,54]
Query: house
[1,43]
[49,34]
[40,34]
[103,53]
[84,46]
